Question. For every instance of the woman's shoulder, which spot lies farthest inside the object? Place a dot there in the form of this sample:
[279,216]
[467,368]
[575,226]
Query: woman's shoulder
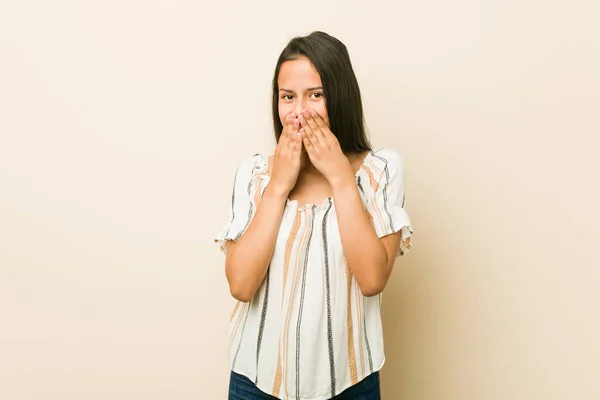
[254,162]
[386,157]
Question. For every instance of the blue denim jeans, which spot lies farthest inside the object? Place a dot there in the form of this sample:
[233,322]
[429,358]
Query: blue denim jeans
[242,388]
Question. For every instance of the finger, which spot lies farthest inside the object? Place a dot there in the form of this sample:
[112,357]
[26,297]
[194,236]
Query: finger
[308,144]
[310,115]
[308,131]
[296,124]
[290,118]
[292,130]
[321,123]
[285,133]
[292,137]
[284,136]
[297,149]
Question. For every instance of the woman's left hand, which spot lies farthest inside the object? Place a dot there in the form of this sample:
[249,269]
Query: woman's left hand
[323,147]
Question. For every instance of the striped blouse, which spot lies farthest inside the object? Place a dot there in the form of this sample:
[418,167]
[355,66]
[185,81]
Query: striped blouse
[309,333]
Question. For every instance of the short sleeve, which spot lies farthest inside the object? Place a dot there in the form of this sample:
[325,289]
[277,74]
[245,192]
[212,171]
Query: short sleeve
[243,202]
[386,202]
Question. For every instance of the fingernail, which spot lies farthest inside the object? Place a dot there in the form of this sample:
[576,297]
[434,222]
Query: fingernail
[312,112]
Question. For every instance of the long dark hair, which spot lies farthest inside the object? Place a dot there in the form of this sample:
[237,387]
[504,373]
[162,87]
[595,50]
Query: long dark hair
[342,94]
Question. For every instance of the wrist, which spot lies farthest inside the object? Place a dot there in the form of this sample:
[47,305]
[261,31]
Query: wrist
[276,192]
[342,181]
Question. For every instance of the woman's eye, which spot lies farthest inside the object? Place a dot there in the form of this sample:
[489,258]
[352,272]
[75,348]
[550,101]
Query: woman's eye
[316,95]
[287,97]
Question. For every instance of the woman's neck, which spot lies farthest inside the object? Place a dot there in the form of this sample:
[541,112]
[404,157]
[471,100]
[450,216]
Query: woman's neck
[306,166]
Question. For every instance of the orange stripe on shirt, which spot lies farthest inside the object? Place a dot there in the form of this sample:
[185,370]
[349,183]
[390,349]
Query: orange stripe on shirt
[350,327]
[288,253]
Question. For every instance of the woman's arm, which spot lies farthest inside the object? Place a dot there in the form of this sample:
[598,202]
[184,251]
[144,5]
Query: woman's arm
[248,259]
[370,253]
[370,258]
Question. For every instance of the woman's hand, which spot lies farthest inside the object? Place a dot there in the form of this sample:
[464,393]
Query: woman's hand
[287,157]
[323,148]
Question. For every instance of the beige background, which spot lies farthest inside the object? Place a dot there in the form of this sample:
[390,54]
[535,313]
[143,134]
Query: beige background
[121,126]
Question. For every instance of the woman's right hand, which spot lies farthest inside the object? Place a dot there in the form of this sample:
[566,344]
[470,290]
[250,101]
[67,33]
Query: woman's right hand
[287,157]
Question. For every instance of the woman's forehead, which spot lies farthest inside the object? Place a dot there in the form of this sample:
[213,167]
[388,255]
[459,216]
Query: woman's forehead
[300,73]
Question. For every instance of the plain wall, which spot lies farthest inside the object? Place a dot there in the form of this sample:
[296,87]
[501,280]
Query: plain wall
[122,123]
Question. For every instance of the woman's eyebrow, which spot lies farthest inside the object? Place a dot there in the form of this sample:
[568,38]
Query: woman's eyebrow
[308,90]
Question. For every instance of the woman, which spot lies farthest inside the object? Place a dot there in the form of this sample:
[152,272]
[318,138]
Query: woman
[313,235]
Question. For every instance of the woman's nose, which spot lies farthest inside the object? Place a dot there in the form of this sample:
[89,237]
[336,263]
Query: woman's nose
[299,106]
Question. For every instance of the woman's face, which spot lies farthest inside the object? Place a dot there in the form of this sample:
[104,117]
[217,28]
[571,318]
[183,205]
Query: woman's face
[299,88]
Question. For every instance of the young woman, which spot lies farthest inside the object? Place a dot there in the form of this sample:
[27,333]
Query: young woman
[313,234]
